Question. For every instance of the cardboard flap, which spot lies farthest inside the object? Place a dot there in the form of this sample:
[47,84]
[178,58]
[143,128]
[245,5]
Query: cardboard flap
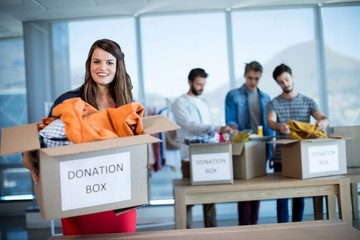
[124,210]
[284,141]
[320,140]
[99,145]
[346,131]
[19,139]
[237,148]
[158,123]
[259,138]
[289,141]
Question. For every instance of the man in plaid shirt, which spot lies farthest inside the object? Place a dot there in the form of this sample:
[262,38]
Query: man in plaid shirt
[290,105]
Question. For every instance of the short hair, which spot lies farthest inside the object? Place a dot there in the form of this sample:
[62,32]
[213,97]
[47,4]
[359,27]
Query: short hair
[253,66]
[197,72]
[280,70]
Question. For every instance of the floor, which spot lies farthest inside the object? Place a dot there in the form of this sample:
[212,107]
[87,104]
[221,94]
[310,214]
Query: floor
[14,228]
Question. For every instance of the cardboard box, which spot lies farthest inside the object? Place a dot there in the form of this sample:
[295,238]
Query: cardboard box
[313,157]
[90,177]
[352,134]
[211,163]
[249,158]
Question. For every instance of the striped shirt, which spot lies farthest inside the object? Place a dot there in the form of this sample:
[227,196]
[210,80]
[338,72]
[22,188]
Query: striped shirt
[299,108]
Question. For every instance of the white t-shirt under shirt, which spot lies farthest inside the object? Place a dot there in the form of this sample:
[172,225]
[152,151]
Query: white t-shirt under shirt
[254,108]
[204,110]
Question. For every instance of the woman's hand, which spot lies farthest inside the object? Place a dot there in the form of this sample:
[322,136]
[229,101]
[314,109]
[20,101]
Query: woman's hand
[31,161]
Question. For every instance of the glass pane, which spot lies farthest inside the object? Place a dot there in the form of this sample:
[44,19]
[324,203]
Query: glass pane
[16,181]
[12,77]
[272,37]
[82,34]
[13,112]
[342,37]
[172,46]
[12,89]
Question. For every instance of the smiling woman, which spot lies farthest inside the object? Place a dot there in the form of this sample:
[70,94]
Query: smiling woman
[106,85]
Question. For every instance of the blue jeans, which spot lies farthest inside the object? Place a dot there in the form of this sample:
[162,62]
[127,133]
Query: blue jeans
[282,209]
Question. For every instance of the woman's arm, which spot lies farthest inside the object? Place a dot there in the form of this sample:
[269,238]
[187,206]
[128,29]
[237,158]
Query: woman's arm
[31,161]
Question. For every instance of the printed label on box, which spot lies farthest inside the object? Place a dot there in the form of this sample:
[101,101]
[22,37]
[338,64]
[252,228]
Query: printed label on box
[323,159]
[95,181]
[210,167]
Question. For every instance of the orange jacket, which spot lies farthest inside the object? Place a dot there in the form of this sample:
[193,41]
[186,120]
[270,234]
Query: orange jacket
[84,123]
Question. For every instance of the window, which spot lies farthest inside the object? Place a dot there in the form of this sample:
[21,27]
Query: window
[15,179]
[172,46]
[342,37]
[272,37]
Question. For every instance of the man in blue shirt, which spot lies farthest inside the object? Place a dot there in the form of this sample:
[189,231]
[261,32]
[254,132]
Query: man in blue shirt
[245,110]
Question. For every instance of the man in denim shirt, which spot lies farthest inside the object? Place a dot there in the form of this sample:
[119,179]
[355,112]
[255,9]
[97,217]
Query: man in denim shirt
[245,110]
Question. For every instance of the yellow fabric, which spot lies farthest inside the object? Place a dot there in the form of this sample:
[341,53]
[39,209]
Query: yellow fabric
[241,137]
[302,130]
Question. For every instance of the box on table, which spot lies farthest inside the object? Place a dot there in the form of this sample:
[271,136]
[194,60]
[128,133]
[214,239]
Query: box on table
[312,157]
[89,177]
[352,141]
[249,158]
[210,163]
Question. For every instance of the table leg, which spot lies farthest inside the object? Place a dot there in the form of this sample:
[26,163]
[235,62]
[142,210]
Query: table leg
[355,200]
[318,208]
[180,209]
[344,200]
[331,206]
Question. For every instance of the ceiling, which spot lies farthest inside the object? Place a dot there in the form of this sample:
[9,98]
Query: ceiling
[14,12]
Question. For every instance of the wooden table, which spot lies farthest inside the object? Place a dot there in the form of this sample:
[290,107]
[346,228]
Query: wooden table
[268,187]
[354,176]
[311,230]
